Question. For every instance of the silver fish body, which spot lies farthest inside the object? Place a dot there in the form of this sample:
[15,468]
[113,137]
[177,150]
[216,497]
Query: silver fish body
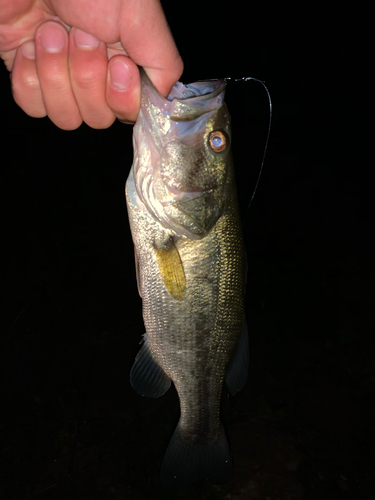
[190,262]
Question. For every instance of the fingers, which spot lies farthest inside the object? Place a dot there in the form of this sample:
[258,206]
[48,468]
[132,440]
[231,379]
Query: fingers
[104,90]
[123,91]
[88,76]
[25,82]
[69,78]
[51,49]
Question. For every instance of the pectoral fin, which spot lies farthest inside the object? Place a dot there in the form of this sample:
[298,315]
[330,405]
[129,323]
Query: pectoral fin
[171,269]
[238,367]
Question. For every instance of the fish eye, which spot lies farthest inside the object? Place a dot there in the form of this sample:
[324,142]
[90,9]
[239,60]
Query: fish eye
[218,141]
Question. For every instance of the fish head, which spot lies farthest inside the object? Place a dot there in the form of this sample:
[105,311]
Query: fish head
[182,155]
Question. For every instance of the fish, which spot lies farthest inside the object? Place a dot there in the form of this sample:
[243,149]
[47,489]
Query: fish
[191,270]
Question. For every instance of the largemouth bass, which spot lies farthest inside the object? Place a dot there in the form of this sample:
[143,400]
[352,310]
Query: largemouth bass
[190,263]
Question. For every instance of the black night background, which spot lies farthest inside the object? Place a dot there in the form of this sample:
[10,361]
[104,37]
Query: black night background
[71,426]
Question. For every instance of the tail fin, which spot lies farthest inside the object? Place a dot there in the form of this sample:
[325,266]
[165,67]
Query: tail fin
[185,462]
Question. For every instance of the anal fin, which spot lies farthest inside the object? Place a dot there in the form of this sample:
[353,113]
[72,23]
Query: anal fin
[146,376]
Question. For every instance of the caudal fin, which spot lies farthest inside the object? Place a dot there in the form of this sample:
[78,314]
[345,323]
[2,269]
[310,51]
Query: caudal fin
[185,462]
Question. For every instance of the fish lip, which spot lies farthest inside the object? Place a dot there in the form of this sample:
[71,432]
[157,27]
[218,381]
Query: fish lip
[184,108]
[218,84]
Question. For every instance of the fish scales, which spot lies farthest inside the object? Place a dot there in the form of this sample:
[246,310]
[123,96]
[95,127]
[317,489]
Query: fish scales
[190,260]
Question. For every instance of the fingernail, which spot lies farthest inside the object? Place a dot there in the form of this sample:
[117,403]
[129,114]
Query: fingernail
[52,37]
[120,74]
[28,49]
[85,40]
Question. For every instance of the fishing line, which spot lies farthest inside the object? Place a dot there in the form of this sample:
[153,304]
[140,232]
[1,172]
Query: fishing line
[246,79]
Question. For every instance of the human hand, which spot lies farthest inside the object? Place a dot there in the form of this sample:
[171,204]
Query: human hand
[89,72]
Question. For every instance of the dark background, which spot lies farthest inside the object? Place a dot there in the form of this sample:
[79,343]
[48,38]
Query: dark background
[302,428]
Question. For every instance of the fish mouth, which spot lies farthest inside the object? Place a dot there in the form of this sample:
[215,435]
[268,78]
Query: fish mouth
[185,103]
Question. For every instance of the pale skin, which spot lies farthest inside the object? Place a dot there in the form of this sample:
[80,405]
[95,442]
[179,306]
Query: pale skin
[76,60]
